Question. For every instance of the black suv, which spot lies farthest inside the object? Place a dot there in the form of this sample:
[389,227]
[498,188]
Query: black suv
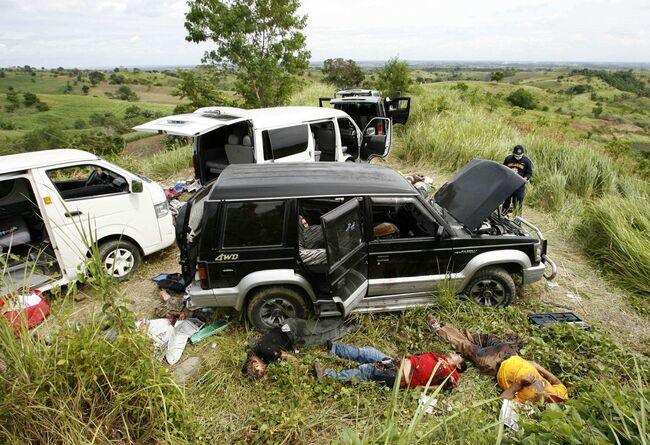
[284,240]
[364,105]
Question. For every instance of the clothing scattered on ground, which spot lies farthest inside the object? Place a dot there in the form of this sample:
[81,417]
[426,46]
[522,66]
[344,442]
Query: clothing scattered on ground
[24,309]
[516,368]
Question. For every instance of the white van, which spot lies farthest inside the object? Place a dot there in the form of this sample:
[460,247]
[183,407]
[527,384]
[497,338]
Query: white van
[49,200]
[226,135]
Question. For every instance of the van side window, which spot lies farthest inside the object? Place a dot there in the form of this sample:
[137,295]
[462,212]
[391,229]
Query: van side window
[282,142]
[400,218]
[254,223]
[86,181]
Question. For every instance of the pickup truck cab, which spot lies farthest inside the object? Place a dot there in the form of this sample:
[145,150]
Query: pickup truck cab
[224,135]
[283,240]
[55,203]
[364,105]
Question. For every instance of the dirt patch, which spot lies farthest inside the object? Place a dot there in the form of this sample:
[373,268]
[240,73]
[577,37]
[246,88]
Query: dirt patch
[580,288]
[143,148]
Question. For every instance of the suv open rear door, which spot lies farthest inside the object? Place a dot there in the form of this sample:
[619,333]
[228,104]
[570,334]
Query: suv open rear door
[347,256]
[398,109]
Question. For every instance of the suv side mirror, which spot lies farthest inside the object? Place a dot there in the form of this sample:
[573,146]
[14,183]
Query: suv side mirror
[136,186]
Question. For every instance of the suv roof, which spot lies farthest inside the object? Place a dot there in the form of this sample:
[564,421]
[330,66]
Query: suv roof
[293,180]
[358,92]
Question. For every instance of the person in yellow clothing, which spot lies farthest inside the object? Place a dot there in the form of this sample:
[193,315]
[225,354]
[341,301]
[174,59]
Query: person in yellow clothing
[526,381]
[521,380]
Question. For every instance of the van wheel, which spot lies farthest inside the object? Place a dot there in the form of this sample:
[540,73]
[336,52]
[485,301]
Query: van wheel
[492,286]
[120,258]
[271,306]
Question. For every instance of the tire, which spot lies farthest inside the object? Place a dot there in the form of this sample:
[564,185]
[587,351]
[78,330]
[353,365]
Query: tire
[492,286]
[270,306]
[127,255]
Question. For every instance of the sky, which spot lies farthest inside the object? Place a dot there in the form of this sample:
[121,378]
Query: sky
[108,33]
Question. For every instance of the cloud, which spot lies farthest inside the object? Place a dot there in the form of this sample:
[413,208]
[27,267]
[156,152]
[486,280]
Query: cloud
[151,32]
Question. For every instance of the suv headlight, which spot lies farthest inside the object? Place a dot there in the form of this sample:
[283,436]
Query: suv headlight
[538,252]
[161,209]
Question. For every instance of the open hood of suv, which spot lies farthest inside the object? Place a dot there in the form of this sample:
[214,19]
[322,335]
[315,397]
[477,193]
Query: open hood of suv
[477,190]
[191,124]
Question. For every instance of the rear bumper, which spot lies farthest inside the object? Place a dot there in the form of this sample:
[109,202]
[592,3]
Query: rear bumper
[225,297]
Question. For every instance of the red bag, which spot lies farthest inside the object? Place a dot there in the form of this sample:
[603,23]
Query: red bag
[29,316]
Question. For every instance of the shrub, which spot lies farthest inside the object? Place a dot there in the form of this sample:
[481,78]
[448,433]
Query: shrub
[523,99]
[125,93]
[99,143]
[42,106]
[43,139]
[80,124]
[30,99]
[7,125]
[394,77]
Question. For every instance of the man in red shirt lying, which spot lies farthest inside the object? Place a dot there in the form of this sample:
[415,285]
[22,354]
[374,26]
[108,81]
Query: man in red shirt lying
[417,370]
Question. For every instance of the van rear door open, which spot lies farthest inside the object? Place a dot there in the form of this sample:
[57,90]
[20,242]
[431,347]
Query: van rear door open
[189,125]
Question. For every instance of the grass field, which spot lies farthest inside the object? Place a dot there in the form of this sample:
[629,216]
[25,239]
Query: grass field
[587,199]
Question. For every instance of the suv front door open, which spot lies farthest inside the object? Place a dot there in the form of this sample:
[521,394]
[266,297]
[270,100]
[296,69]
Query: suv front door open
[398,109]
[377,138]
[347,261]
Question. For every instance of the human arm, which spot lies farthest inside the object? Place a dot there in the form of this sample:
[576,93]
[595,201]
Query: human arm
[517,386]
[286,356]
[548,375]
[529,170]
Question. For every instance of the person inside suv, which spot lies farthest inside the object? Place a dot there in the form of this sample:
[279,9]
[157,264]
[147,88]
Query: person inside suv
[417,370]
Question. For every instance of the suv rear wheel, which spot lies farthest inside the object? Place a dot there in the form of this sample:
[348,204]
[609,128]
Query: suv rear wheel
[271,306]
[492,286]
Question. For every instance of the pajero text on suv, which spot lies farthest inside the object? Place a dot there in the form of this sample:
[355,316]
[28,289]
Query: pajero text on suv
[225,135]
[282,240]
[364,105]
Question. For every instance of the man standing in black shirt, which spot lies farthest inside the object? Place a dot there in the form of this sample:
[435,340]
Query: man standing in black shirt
[520,164]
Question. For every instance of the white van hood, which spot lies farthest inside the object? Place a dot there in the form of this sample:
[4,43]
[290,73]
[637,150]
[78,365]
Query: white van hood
[190,125]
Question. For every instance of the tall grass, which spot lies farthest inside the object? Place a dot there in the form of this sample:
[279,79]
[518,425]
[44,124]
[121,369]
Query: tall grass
[97,382]
[309,95]
[616,233]
[450,126]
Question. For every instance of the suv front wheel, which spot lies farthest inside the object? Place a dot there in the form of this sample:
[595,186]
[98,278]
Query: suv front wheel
[492,286]
[271,306]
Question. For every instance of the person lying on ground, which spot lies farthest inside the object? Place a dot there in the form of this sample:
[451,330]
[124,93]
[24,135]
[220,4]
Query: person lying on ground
[273,345]
[417,370]
[521,380]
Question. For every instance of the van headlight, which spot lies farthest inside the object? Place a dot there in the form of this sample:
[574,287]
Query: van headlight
[538,252]
[161,209]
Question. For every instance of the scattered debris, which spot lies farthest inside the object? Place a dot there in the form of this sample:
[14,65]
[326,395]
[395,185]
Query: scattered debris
[170,281]
[26,309]
[428,402]
[561,306]
[509,415]
[209,330]
[552,284]
[544,320]
[572,296]
[170,338]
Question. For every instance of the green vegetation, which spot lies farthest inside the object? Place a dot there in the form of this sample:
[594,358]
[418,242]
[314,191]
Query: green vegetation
[621,80]
[263,40]
[523,99]
[588,177]
[343,73]
[394,77]
[98,382]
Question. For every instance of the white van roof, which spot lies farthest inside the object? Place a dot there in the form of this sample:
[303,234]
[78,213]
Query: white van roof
[43,158]
[207,119]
